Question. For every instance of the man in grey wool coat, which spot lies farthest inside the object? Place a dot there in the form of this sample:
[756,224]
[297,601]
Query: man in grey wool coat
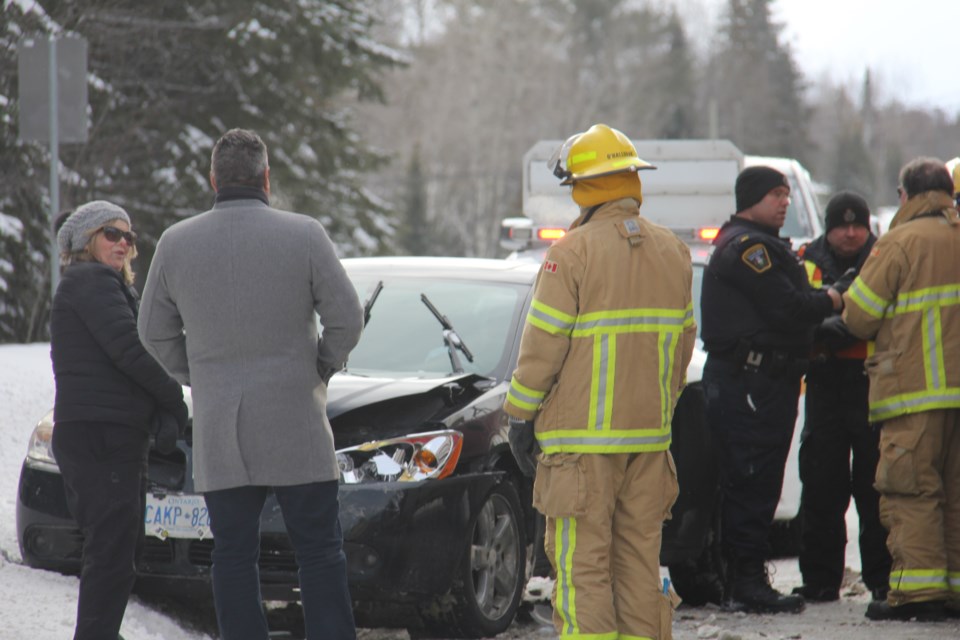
[229,308]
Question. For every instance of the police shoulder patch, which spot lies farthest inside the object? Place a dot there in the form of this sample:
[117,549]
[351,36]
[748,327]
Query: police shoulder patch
[757,258]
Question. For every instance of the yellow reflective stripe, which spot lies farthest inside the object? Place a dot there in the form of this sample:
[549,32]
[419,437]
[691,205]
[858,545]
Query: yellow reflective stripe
[688,316]
[606,388]
[524,397]
[595,409]
[612,635]
[626,636]
[920,299]
[581,157]
[861,295]
[926,400]
[566,544]
[918,579]
[664,349]
[612,441]
[632,321]
[933,366]
[549,319]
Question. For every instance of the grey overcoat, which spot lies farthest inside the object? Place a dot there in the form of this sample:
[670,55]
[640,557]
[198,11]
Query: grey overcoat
[228,308]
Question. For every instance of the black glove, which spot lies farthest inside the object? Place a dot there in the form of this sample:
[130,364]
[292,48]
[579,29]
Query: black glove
[167,428]
[834,334]
[524,445]
[843,282]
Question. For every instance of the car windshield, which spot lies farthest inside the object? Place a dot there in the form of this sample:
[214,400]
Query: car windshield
[404,339]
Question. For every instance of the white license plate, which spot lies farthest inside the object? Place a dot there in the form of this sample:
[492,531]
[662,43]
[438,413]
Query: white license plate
[175,515]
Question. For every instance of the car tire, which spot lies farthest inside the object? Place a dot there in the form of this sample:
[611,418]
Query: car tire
[490,579]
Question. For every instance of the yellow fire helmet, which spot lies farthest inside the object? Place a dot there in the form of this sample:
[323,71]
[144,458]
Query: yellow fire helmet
[599,151]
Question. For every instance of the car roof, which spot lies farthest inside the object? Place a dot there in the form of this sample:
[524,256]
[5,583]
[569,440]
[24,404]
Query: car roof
[520,271]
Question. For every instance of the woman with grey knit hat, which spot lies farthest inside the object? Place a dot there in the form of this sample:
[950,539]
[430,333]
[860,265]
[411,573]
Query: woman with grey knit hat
[109,393]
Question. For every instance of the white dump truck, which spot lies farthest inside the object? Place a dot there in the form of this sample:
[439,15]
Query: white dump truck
[691,191]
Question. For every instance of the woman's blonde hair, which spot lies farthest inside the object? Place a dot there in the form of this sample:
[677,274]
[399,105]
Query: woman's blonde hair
[86,255]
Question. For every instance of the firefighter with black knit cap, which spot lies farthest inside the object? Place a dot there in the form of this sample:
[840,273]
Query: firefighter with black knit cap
[602,362]
[758,313]
[838,447]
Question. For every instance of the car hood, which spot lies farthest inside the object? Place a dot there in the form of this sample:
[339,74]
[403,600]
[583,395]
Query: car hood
[368,408]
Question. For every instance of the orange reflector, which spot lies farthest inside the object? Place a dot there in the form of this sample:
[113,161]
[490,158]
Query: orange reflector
[551,233]
[708,233]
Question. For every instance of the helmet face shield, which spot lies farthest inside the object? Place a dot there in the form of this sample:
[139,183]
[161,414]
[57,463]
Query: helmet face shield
[558,161]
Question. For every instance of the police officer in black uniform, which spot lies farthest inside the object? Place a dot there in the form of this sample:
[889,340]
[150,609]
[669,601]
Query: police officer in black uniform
[837,423]
[759,313]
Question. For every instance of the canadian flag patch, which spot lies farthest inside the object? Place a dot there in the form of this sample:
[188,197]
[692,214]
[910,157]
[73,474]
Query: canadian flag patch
[550,266]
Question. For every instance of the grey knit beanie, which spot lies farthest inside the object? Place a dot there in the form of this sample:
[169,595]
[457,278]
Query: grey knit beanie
[76,230]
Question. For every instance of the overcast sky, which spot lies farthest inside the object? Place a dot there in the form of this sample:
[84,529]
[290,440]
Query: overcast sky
[912,47]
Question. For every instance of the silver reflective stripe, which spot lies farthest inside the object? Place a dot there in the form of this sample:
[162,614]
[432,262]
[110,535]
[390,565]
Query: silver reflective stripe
[565,578]
[936,580]
[602,381]
[933,353]
[548,319]
[586,325]
[519,395]
[603,441]
[860,296]
[665,399]
[924,299]
[926,399]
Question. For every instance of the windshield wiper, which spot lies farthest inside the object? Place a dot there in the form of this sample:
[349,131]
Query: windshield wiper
[450,337]
[368,305]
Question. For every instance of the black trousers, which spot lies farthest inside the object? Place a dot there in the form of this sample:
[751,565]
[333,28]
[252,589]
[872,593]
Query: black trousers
[751,415]
[104,473]
[836,429]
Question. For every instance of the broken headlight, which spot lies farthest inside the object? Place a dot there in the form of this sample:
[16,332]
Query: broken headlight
[419,456]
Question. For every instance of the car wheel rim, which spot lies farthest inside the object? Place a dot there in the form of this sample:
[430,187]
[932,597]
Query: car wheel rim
[493,560]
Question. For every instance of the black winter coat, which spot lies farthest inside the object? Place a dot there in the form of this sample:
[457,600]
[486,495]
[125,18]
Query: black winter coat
[102,371]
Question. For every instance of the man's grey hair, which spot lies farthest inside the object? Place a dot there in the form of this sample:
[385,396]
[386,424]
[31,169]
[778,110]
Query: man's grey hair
[239,158]
[925,174]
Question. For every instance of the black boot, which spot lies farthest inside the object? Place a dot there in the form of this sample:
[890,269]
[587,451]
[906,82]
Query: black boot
[751,590]
[933,611]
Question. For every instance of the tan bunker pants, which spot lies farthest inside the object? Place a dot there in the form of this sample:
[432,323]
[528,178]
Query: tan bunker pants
[918,478]
[605,516]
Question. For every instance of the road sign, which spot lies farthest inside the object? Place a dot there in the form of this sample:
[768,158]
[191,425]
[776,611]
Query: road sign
[70,86]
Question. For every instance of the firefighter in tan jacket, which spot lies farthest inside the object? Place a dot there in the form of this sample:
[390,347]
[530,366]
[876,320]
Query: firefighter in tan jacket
[907,297]
[602,362]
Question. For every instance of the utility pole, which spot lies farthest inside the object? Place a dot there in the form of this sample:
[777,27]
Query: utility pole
[53,109]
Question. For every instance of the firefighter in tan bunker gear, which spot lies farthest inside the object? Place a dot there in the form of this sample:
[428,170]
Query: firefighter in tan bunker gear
[602,362]
[907,297]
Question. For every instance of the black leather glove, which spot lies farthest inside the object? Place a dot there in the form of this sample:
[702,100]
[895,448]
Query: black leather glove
[834,334]
[523,444]
[843,282]
[166,429]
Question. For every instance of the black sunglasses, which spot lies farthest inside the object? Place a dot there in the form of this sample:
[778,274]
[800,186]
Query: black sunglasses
[114,235]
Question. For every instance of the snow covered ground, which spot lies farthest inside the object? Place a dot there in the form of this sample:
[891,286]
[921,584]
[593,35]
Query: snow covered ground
[40,605]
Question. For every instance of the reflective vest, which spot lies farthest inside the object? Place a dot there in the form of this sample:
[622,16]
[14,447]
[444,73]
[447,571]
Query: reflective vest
[608,337]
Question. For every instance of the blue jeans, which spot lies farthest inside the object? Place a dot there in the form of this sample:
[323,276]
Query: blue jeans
[311,515]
